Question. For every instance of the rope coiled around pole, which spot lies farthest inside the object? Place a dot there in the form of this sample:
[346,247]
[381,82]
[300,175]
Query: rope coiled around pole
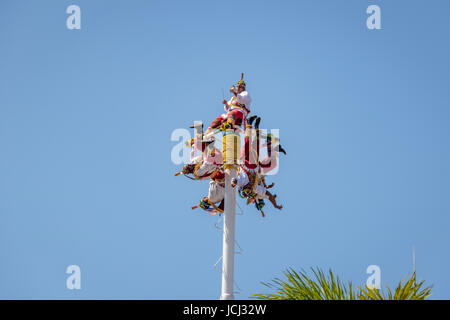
[231,144]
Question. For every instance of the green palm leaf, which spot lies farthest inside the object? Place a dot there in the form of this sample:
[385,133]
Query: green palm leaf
[321,286]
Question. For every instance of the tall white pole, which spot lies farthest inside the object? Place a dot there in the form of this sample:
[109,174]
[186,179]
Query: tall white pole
[229,219]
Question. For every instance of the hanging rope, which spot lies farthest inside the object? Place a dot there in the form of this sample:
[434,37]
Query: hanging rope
[240,251]
[240,209]
[239,290]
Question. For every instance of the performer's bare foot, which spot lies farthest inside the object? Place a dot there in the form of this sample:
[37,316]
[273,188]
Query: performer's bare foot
[272,199]
[270,185]
[262,214]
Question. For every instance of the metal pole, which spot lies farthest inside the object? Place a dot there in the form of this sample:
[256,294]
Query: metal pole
[229,219]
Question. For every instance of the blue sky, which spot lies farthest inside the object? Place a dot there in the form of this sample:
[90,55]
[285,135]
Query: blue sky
[86,117]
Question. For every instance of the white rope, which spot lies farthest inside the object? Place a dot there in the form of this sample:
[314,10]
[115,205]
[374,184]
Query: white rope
[217,262]
[240,209]
[218,227]
[239,290]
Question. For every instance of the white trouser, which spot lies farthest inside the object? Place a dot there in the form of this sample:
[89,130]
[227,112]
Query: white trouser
[216,192]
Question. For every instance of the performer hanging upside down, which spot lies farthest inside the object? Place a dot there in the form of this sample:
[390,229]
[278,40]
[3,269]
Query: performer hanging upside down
[237,108]
[251,183]
[253,187]
[205,165]
[216,194]
[252,142]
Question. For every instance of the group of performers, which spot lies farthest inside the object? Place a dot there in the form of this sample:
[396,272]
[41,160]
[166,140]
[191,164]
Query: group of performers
[250,181]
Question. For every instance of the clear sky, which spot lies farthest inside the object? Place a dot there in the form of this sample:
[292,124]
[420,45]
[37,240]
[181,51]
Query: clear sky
[86,117]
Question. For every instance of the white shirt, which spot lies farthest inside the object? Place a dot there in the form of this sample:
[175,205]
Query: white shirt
[242,98]
[206,167]
[242,179]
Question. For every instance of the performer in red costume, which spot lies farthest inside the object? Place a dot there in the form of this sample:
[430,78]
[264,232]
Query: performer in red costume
[250,181]
[237,108]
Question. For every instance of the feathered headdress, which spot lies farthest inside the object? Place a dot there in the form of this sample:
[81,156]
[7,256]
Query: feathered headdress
[241,81]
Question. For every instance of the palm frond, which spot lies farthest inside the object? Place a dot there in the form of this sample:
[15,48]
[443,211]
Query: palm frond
[321,286]
[300,286]
[407,289]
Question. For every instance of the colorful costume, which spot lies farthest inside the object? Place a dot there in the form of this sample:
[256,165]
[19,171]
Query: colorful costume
[237,109]
[204,165]
[216,194]
[250,180]
[252,187]
[209,164]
